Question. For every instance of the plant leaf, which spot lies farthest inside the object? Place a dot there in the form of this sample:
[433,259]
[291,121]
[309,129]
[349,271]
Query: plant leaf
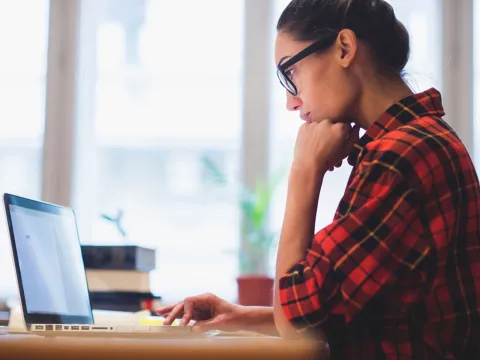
[213,171]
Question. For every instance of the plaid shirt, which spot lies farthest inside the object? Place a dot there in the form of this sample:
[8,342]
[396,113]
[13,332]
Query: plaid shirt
[397,272]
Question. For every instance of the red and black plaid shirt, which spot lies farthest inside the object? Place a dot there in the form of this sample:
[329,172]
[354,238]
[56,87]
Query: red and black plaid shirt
[397,273]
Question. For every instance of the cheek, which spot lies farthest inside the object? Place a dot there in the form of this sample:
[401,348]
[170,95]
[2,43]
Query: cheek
[330,97]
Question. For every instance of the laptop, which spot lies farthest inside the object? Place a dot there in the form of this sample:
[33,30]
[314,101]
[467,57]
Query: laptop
[51,275]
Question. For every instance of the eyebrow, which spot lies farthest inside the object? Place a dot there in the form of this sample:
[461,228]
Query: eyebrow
[282,59]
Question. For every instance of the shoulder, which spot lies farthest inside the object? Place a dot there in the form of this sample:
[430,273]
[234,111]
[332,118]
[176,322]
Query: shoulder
[415,150]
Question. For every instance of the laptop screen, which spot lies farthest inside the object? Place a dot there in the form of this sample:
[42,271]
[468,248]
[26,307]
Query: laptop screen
[49,262]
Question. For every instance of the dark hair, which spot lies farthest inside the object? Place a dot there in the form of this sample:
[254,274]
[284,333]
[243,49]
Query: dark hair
[373,21]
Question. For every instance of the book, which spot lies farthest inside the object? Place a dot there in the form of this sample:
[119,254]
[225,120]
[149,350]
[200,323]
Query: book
[118,280]
[119,257]
[124,301]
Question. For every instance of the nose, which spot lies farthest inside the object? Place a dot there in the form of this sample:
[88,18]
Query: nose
[293,102]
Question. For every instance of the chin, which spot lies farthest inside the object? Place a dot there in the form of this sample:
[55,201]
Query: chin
[326,116]
[340,119]
[320,119]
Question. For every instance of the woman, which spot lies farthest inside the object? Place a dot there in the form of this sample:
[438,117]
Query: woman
[397,273]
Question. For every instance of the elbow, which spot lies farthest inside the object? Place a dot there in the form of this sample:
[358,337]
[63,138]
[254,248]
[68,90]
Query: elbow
[284,327]
[287,333]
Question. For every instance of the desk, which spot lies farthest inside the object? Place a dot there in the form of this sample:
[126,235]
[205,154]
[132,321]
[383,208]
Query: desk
[221,348]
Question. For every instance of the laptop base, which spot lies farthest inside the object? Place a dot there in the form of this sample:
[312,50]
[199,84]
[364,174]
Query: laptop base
[136,331]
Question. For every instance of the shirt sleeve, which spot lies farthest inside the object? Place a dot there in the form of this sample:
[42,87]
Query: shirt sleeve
[357,256]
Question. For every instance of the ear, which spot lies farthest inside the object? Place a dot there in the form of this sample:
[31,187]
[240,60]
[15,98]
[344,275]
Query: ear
[346,47]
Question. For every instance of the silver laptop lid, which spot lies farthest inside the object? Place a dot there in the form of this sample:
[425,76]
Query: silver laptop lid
[48,262]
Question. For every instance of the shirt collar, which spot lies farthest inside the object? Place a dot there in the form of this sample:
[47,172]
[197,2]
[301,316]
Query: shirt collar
[427,103]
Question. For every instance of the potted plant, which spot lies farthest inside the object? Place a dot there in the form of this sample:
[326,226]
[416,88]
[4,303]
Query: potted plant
[255,283]
[116,230]
[116,222]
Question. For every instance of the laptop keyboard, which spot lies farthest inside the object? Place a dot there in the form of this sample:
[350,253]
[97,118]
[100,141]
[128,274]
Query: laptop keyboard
[71,328]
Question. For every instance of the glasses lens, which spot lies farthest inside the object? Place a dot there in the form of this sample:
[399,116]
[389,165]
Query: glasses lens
[286,82]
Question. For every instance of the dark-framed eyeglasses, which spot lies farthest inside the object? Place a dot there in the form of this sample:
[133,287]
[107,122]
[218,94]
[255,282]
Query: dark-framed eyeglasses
[282,68]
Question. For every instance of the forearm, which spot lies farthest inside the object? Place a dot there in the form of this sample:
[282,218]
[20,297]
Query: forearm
[297,232]
[260,320]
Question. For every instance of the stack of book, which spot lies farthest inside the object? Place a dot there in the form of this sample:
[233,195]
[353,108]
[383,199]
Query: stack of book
[4,312]
[119,277]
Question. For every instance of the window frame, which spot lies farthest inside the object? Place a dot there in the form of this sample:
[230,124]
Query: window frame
[69,149]
[458,69]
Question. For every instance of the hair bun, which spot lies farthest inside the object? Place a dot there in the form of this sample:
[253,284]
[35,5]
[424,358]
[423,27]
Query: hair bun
[375,21]
[367,17]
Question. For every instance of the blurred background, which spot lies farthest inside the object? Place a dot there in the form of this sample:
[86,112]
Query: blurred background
[119,106]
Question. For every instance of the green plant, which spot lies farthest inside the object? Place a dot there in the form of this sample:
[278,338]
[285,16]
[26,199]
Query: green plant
[257,239]
[117,222]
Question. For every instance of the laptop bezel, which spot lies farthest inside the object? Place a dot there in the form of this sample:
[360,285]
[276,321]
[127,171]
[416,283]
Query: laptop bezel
[35,318]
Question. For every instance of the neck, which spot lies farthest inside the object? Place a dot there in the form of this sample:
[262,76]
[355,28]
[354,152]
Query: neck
[377,97]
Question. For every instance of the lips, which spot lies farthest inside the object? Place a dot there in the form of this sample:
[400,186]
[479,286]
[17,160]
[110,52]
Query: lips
[305,117]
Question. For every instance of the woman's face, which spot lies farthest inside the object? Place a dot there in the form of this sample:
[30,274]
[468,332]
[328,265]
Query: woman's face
[326,89]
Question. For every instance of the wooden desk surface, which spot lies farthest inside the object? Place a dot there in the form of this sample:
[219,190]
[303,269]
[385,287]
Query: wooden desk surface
[221,348]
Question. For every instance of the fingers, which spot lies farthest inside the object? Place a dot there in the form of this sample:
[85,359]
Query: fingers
[165,310]
[355,133]
[217,323]
[192,308]
[188,306]
[356,128]
[176,312]
[337,165]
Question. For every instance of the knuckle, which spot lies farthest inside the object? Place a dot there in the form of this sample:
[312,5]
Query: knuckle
[188,302]
[341,130]
[327,124]
[178,308]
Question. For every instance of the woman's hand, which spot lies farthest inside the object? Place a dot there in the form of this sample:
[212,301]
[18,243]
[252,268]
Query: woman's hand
[323,145]
[209,311]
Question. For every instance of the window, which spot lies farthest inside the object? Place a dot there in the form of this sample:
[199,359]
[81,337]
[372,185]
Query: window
[422,20]
[160,90]
[476,84]
[168,94]
[23,35]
